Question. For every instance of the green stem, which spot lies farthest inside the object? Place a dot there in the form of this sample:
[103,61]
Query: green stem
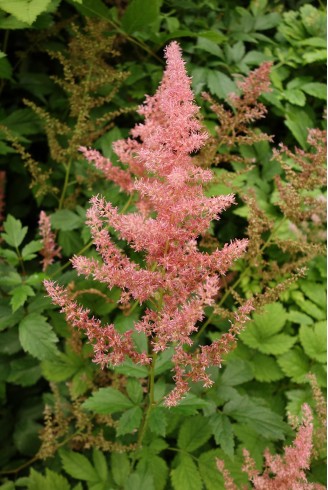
[151,405]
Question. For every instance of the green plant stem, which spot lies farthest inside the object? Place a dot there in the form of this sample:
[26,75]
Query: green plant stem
[150,406]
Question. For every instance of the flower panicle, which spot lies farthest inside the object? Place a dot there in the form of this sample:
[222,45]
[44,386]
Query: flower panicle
[50,249]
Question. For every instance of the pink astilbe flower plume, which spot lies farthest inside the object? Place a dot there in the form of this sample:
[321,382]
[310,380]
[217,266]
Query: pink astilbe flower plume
[281,472]
[50,250]
[176,279]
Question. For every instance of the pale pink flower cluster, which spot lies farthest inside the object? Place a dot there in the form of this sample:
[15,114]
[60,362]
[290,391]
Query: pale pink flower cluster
[175,278]
[50,250]
[286,472]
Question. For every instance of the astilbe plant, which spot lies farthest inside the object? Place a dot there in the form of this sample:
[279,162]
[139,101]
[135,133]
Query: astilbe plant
[175,280]
[281,472]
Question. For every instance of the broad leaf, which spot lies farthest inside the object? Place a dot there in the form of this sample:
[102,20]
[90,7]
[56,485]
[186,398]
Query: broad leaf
[194,432]
[263,420]
[66,220]
[107,401]
[295,364]
[314,341]
[120,467]
[24,10]
[155,467]
[37,337]
[129,421]
[222,432]
[78,466]
[140,15]
[20,295]
[14,231]
[186,474]
[266,368]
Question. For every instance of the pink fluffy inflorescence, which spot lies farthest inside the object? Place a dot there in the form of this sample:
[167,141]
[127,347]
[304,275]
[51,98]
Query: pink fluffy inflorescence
[176,279]
[49,250]
[281,472]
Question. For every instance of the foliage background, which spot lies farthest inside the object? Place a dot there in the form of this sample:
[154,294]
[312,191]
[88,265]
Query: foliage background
[50,106]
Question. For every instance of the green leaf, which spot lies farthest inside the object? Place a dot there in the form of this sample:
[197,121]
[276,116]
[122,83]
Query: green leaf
[120,467]
[186,475]
[220,84]
[252,441]
[194,432]
[158,421]
[24,371]
[28,252]
[261,332]
[62,367]
[222,432]
[37,337]
[136,481]
[156,468]
[314,341]
[20,295]
[130,369]
[164,362]
[311,309]
[300,318]
[266,368]
[237,372]
[139,16]
[129,421]
[316,89]
[315,292]
[100,464]
[51,481]
[209,46]
[134,390]
[295,365]
[297,398]
[107,401]
[78,466]
[260,418]
[190,404]
[5,67]
[14,231]
[66,220]
[24,10]
[295,96]
[299,122]
[211,476]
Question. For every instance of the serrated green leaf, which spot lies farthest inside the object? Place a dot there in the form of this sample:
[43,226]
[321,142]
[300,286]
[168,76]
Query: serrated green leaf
[266,368]
[299,122]
[100,464]
[194,432]
[186,474]
[252,441]
[136,481]
[129,421]
[107,401]
[66,220]
[134,390]
[78,466]
[14,231]
[158,421]
[139,15]
[20,295]
[316,89]
[24,371]
[297,398]
[220,84]
[212,478]
[209,46]
[299,318]
[263,420]
[51,481]
[11,279]
[237,372]
[314,341]
[315,292]
[24,10]
[37,337]
[62,367]
[222,432]
[155,467]
[130,369]
[190,404]
[120,467]
[295,96]
[28,252]
[295,365]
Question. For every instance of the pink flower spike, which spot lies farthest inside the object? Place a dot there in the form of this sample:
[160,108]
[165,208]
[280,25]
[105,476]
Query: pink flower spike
[50,250]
